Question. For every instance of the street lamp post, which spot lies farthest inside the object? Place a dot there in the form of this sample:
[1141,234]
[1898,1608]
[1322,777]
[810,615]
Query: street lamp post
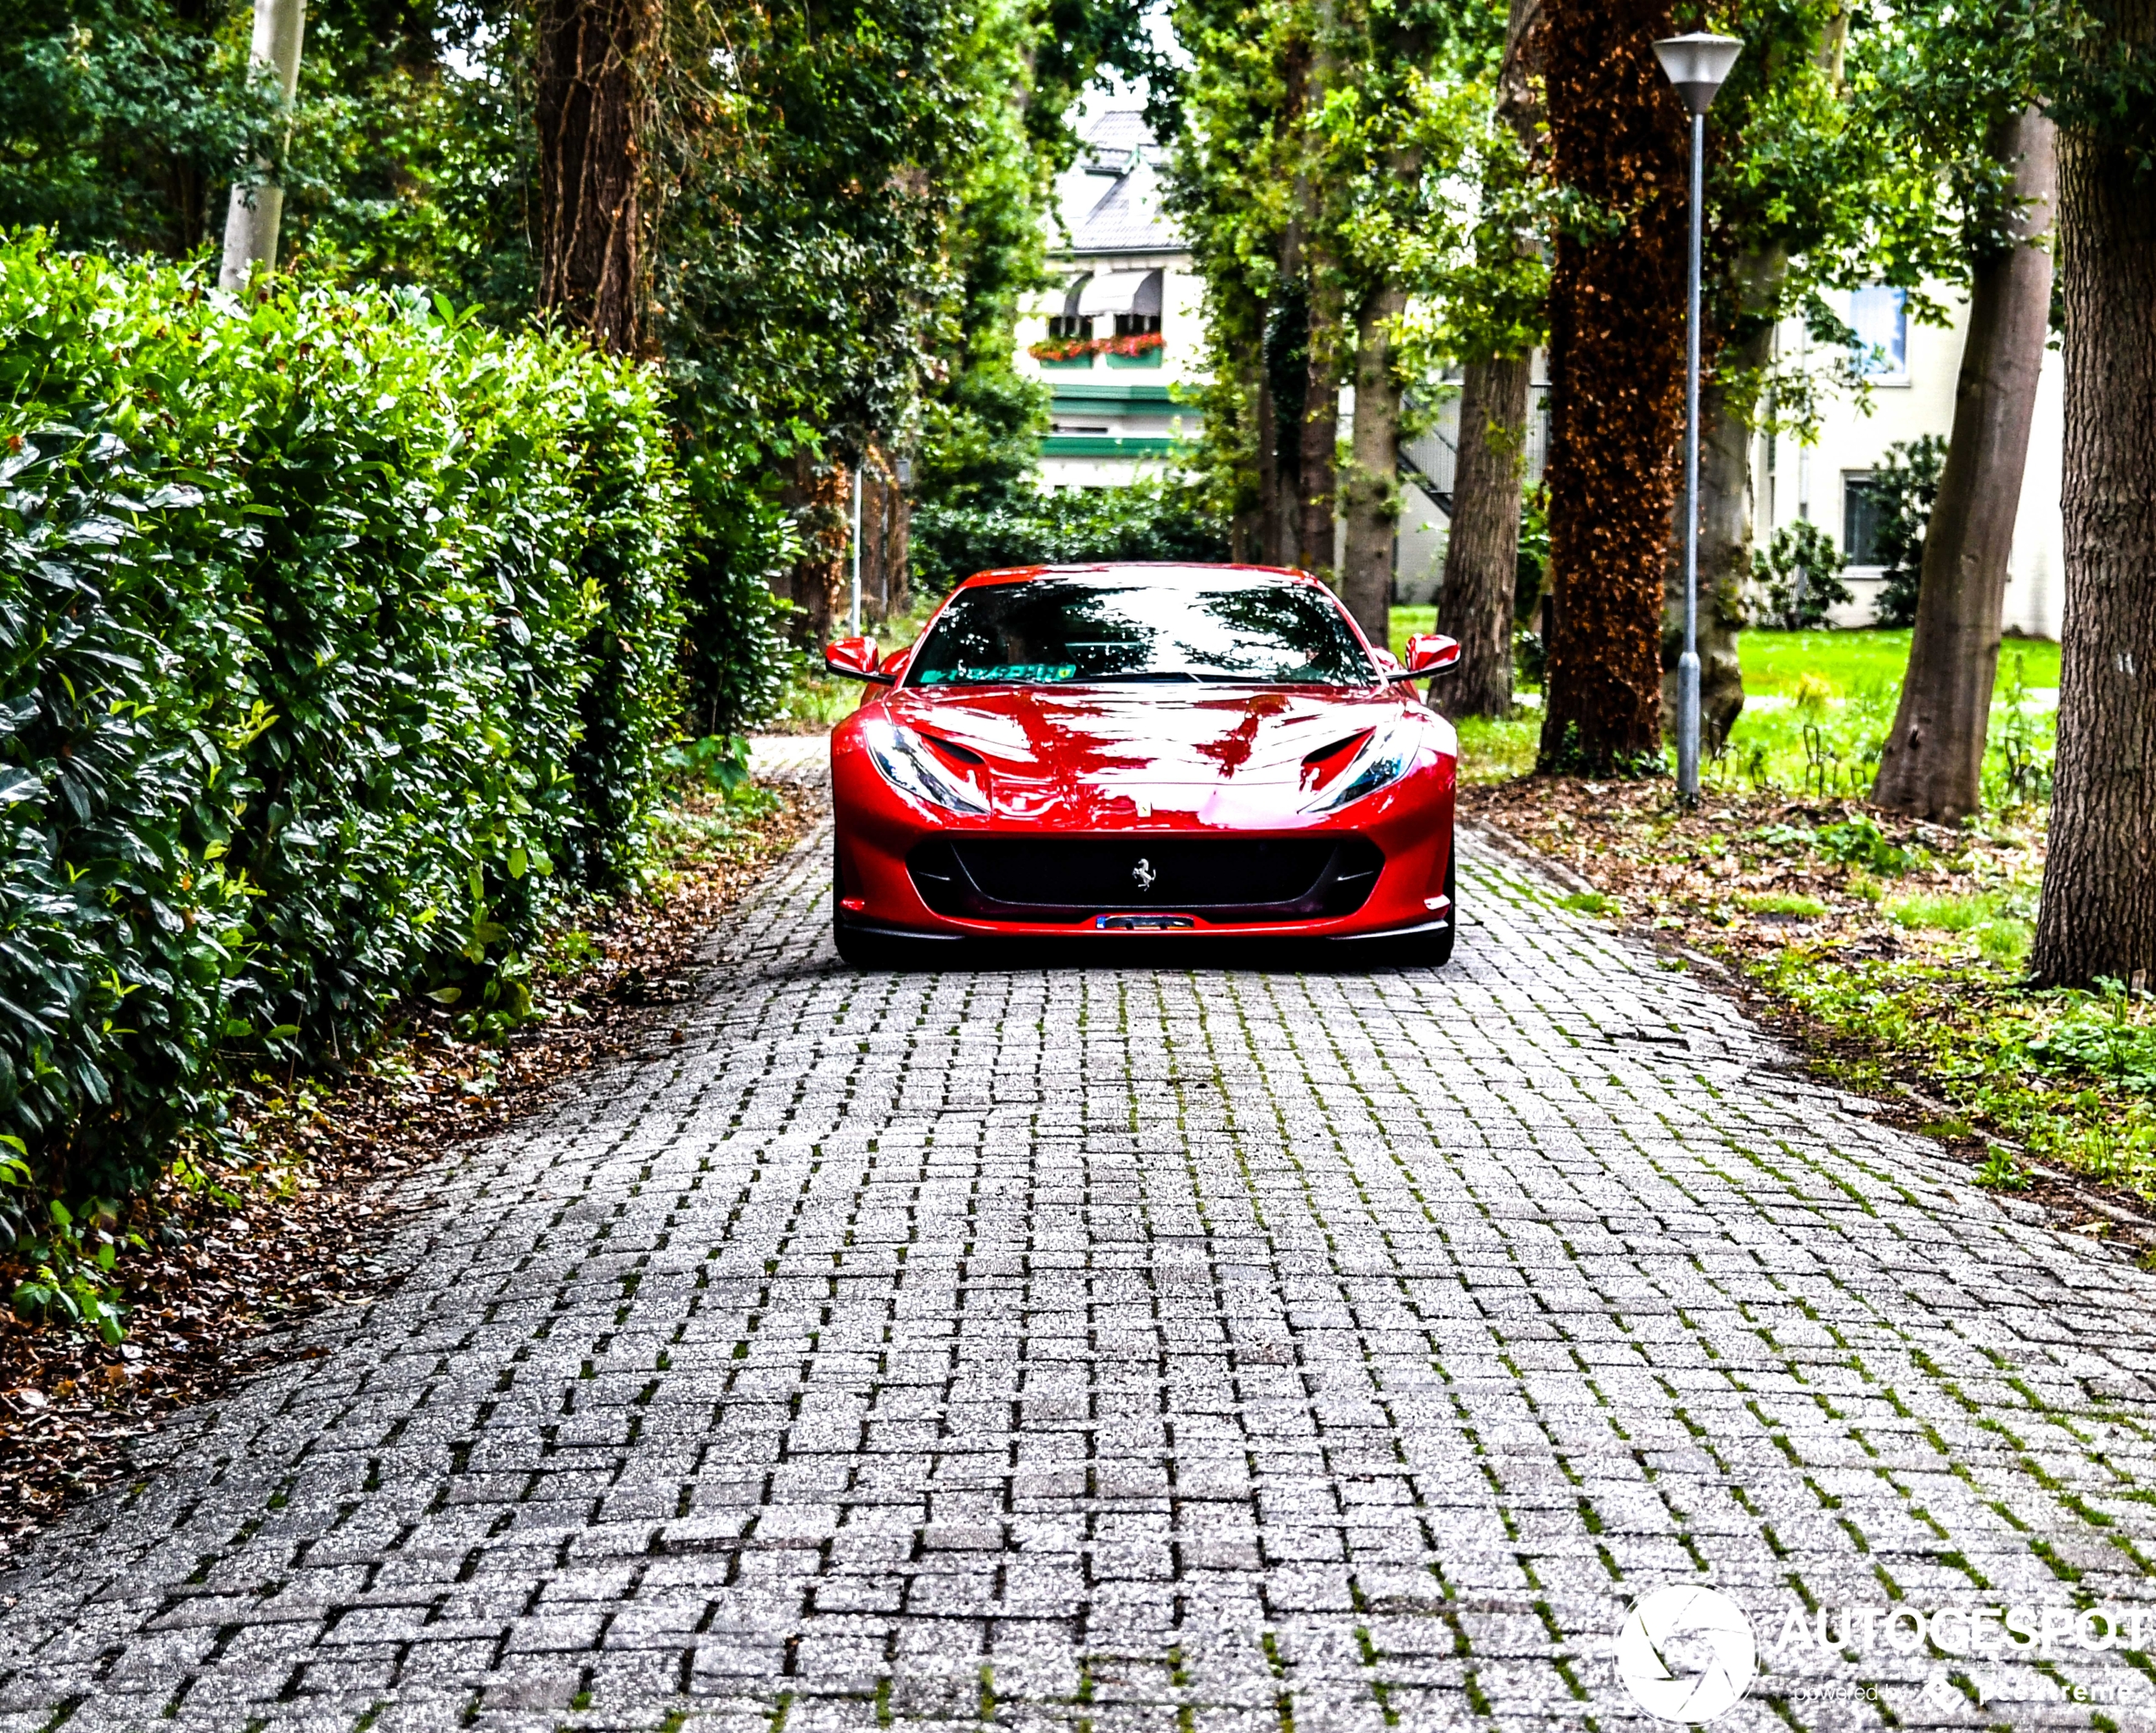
[1696,65]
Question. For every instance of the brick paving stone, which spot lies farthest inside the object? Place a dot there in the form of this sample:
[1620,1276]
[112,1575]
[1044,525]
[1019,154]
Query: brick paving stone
[1150,1347]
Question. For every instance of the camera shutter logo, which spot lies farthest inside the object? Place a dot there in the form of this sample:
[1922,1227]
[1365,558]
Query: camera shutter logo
[1707,1634]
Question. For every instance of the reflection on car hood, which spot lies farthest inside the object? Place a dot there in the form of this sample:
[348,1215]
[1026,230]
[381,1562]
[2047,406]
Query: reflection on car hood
[1105,756]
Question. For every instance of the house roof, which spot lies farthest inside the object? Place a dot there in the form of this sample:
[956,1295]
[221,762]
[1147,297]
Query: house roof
[1112,201]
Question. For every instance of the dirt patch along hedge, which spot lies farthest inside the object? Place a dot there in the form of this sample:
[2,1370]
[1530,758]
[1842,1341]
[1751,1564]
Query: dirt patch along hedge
[337,644]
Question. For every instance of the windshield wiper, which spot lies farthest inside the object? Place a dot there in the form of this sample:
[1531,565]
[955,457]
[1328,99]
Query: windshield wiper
[1191,675]
[1136,676]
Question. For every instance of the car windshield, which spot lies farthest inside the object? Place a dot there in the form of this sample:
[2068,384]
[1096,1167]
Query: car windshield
[1057,631]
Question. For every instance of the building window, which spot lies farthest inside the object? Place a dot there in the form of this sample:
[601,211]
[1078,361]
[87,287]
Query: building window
[1136,324]
[1068,325]
[1879,316]
[1862,512]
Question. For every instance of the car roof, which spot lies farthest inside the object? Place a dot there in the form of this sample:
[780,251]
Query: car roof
[1138,571]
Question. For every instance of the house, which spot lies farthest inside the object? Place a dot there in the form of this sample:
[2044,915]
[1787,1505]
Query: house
[1124,325]
[1913,370]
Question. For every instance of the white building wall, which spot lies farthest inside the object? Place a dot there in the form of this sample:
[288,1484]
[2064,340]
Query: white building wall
[1811,482]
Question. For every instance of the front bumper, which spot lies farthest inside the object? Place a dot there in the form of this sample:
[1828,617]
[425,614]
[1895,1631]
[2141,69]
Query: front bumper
[1378,868]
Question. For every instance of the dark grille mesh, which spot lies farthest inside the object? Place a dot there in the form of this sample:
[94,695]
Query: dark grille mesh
[1224,879]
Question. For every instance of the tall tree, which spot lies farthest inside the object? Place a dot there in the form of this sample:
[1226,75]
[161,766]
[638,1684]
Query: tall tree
[1476,599]
[1933,765]
[2099,913]
[1771,196]
[1229,185]
[593,111]
[1617,293]
[1318,177]
[258,204]
[1370,491]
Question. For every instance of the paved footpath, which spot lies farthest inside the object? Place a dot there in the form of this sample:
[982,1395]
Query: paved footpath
[1145,1348]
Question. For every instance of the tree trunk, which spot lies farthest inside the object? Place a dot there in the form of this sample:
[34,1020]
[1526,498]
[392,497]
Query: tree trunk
[819,494]
[1266,548]
[1320,429]
[1933,763]
[257,212]
[1371,495]
[1323,270]
[1287,372]
[1476,594]
[1618,137]
[1725,546]
[886,525]
[591,110]
[1246,525]
[2098,916]
[1482,550]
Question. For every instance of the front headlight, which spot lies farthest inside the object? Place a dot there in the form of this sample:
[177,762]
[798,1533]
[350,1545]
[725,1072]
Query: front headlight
[910,765]
[1386,756]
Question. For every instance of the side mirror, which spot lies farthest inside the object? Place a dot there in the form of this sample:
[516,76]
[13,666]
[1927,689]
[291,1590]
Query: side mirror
[1430,653]
[894,664]
[856,659]
[1388,664]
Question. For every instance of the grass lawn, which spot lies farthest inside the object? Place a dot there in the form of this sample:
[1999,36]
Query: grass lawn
[1849,661]
[1829,701]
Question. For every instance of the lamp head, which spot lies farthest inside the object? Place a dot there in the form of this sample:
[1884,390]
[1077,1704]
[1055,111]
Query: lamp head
[1696,64]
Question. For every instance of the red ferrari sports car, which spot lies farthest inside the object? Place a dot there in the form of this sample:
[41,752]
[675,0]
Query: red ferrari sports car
[1117,749]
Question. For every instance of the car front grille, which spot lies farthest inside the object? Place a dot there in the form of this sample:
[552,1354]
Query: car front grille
[1229,878]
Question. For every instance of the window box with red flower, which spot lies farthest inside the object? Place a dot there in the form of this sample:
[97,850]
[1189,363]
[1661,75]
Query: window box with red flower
[1069,343]
[1063,352]
[1136,348]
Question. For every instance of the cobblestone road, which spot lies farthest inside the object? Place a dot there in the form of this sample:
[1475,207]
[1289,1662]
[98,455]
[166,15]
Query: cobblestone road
[1149,1348]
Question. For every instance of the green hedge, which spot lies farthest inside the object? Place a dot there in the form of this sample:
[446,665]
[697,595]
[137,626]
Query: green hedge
[337,643]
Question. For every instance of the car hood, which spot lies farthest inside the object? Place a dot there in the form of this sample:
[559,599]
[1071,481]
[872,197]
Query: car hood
[1104,757]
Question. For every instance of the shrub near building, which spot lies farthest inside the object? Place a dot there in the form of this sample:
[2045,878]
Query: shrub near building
[336,644]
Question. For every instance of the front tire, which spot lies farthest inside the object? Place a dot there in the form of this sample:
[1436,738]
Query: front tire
[861,950]
[1433,951]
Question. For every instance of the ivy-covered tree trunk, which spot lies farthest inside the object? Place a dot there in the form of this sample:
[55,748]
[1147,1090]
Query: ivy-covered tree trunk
[1482,550]
[1370,495]
[886,529]
[1932,766]
[819,495]
[2098,916]
[591,111]
[1319,461]
[1618,137]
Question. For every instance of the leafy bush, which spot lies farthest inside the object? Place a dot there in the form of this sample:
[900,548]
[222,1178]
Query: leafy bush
[336,645]
[1902,489]
[1145,520]
[2103,1037]
[1860,842]
[1799,577]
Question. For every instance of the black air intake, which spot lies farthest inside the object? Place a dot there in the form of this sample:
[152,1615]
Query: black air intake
[1061,879]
